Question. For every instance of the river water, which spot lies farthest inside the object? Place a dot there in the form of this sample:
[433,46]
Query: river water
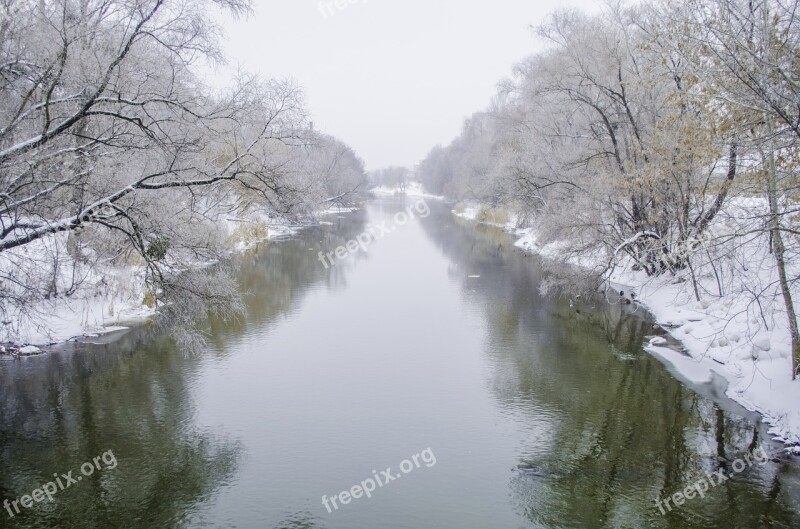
[431,356]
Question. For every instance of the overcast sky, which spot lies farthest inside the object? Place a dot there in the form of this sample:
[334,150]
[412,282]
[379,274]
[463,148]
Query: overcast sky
[392,78]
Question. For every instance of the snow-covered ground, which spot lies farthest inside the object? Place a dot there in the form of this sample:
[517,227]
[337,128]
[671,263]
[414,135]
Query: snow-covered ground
[472,211]
[110,297]
[85,299]
[745,341]
[89,312]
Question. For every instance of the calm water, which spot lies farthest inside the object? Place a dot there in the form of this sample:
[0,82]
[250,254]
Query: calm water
[338,373]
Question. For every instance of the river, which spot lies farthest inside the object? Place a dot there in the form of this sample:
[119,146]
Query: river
[433,356]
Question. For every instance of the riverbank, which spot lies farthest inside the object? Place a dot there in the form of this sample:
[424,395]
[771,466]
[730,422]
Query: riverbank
[743,339]
[110,298]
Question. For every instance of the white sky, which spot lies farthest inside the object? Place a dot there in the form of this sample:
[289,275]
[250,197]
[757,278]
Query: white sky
[392,78]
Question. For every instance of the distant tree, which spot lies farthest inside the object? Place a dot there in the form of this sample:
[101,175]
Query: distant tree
[393,177]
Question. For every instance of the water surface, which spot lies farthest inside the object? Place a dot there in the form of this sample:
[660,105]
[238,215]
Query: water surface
[539,414]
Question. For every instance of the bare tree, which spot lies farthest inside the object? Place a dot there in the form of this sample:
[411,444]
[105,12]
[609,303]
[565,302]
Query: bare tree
[752,48]
[111,143]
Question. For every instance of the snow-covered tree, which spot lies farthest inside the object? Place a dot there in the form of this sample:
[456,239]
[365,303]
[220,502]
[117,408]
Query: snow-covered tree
[748,53]
[113,148]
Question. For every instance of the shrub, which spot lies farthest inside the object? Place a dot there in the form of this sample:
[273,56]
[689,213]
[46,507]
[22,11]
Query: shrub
[493,216]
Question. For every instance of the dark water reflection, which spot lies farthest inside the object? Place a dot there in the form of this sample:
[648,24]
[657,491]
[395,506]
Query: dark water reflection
[336,372]
[59,411]
[622,431]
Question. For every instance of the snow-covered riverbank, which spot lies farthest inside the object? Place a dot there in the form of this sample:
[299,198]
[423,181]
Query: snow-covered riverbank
[731,331]
[113,297]
[110,297]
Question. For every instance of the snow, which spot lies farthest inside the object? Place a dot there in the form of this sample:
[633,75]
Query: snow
[746,343]
[111,297]
[471,211]
[71,319]
[467,210]
[722,337]
[335,210]
[529,241]
[108,298]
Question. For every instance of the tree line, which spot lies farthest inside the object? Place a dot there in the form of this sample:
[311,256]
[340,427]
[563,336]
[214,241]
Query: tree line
[635,131]
[114,150]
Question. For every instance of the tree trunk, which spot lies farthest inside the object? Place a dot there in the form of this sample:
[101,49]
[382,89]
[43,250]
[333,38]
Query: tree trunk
[779,251]
[775,219]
